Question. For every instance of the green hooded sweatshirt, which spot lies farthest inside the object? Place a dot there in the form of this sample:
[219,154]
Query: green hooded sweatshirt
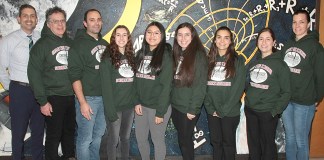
[268,88]
[118,89]
[84,59]
[190,99]
[305,58]
[224,94]
[47,66]
[152,90]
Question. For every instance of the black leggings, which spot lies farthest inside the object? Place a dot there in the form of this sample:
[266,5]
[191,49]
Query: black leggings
[185,128]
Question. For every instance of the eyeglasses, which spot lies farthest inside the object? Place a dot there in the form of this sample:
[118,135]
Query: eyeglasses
[153,33]
[62,21]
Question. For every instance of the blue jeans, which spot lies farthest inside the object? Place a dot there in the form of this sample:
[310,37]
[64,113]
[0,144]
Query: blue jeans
[90,132]
[297,121]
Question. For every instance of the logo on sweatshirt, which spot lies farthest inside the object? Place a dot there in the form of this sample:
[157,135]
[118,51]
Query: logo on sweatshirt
[259,74]
[125,70]
[218,75]
[293,57]
[61,55]
[176,76]
[144,69]
[97,51]
[144,66]
[219,72]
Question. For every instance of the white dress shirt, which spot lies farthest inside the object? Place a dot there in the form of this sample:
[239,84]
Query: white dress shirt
[14,56]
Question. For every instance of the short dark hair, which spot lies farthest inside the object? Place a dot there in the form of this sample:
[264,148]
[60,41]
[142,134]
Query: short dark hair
[300,11]
[90,10]
[55,9]
[24,6]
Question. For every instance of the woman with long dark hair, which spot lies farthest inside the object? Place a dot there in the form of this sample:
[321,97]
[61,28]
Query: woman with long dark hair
[117,71]
[153,87]
[267,95]
[189,88]
[226,80]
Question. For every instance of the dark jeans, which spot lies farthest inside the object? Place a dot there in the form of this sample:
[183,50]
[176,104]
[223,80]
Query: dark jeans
[24,110]
[185,129]
[261,131]
[223,136]
[60,127]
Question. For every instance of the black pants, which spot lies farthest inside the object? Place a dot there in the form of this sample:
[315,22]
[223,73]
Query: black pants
[25,111]
[185,129]
[223,136]
[261,131]
[60,127]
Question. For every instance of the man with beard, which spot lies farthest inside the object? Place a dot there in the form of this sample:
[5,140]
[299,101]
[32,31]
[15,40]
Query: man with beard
[84,62]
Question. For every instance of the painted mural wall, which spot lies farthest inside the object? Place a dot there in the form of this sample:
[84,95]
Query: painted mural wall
[244,17]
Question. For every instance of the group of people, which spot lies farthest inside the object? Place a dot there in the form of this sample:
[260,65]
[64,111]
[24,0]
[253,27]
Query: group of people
[81,87]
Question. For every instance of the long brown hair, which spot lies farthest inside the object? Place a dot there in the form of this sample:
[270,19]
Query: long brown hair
[187,71]
[113,52]
[230,54]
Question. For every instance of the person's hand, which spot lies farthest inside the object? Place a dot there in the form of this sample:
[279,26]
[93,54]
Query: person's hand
[191,116]
[158,120]
[46,109]
[86,111]
[138,110]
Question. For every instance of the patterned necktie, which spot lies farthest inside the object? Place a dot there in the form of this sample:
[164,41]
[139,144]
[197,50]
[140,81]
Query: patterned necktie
[31,42]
